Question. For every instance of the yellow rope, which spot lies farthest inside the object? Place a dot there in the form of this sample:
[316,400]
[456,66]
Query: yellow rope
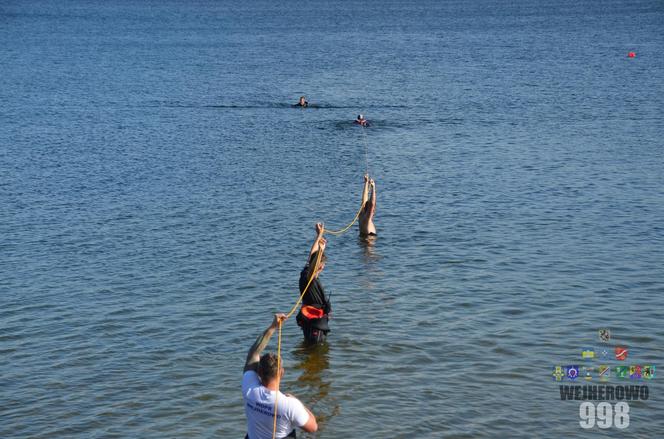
[290,313]
[276,395]
[339,232]
[313,275]
[366,150]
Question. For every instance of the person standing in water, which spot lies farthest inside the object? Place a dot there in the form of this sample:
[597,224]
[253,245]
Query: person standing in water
[302,102]
[314,314]
[260,387]
[368,210]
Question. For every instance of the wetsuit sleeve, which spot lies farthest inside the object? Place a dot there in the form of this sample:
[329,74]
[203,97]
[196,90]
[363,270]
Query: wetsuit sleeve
[303,278]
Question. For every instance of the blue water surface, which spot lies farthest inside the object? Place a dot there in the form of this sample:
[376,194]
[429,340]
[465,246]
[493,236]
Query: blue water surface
[158,194]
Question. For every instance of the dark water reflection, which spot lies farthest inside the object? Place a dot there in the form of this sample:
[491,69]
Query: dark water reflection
[314,383]
[368,246]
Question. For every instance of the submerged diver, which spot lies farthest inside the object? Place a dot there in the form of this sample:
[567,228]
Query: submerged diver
[314,314]
[361,121]
[302,102]
[367,226]
[260,383]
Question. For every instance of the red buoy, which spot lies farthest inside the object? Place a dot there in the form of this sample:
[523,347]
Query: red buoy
[631,54]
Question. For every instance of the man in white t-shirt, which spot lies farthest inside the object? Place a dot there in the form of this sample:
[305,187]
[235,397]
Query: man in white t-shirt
[259,390]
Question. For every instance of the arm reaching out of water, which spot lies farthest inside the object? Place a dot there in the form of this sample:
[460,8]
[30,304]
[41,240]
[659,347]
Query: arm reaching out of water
[254,354]
[365,191]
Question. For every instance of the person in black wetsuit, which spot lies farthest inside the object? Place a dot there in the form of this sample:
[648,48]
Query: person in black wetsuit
[302,102]
[314,314]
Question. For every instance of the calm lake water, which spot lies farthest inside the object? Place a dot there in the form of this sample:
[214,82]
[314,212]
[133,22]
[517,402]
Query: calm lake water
[158,195]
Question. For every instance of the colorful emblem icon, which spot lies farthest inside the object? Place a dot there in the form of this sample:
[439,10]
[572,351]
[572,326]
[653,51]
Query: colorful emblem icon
[621,353]
[588,354]
[572,372]
[604,335]
[648,371]
[558,373]
[621,372]
[635,372]
[604,354]
[604,372]
[587,373]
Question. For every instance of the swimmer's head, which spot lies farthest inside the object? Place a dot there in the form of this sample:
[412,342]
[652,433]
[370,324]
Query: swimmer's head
[360,117]
[303,99]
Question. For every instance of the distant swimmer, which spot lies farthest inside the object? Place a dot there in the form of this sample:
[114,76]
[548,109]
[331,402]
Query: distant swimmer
[361,121]
[367,226]
[314,314]
[302,102]
[260,383]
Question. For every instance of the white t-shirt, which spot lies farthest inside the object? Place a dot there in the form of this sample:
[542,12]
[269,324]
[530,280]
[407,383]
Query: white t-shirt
[259,407]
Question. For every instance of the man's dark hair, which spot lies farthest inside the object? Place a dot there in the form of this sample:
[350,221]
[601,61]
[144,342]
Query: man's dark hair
[267,367]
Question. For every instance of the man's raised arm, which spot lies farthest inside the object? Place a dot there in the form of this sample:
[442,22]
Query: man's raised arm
[319,242]
[254,354]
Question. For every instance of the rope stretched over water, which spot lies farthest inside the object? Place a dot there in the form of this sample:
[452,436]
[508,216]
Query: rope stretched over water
[341,231]
[366,151]
[357,215]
